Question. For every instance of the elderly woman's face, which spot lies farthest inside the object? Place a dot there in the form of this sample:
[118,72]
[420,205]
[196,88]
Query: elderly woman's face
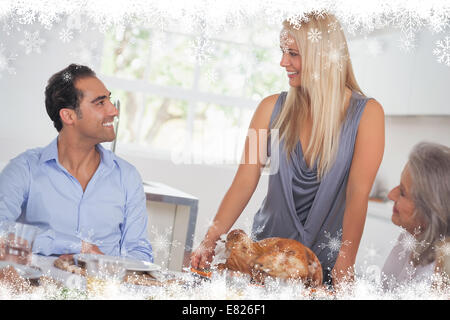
[403,212]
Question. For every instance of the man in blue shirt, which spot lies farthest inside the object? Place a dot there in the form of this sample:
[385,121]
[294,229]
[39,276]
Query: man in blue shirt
[84,198]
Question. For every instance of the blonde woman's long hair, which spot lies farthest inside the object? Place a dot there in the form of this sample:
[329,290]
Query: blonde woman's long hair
[326,71]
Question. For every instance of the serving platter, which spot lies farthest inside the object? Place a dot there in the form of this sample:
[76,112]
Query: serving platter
[127,263]
[27,272]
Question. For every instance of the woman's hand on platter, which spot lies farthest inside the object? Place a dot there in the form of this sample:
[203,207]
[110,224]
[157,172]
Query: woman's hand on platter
[201,258]
[343,273]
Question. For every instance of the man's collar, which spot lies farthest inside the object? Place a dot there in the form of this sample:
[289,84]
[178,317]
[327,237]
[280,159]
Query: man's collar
[50,152]
[107,157]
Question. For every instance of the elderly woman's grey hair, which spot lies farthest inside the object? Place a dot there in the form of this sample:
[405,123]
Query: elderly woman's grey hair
[429,167]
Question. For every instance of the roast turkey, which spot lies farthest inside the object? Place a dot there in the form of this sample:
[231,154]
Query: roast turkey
[275,257]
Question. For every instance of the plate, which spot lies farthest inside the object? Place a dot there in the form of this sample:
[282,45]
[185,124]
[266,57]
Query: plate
[26,272]
[129,264]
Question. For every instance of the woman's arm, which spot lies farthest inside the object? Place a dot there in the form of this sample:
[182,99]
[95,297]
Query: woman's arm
[242,187]
[367,156]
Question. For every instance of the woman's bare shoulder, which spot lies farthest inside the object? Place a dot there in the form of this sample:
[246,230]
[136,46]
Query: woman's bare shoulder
[373,107]
[263,112]
[270,99]
[268,103]
[373,114]
[372,121]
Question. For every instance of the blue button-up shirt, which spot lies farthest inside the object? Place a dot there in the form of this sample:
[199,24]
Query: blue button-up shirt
[111,213]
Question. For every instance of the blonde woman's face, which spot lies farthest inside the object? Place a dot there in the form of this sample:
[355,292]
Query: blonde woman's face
[290,59]
[403,211]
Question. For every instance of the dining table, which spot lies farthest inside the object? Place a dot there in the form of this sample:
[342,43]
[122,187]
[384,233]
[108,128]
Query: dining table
[49,282]
[46,265]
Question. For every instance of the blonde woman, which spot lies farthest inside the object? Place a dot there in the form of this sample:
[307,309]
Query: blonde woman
[331,145]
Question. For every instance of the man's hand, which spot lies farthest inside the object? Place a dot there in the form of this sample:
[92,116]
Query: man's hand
[87,247]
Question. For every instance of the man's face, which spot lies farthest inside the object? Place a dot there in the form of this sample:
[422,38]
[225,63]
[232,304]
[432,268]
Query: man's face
[97,111]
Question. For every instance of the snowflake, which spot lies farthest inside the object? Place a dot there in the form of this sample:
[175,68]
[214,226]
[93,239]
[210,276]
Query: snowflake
[297,20]
[66,35]
[285,40]
[212,76]
[201,49]
[313,267]
[67,76]
[8,27]
[371,253]
[335,56]
[409,243]
[74,282]
[320,14]
[256,231]
[442,51]
[86,54]
[334,26]
[162,243]
[407,43]
[87,237]
[410,271]
[210,222]
[25,15]
[32,42]
[76,22]
[373,273]
[409,20]
[445,249]
[246,224]
[316,76]
[438,22]
[314,35]
[334,244]
[5,61]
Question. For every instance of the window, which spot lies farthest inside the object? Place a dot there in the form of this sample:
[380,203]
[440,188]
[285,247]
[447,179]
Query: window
[182,93]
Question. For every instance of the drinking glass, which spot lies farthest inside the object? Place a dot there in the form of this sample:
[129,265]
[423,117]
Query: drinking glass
[103,276]
[16,242]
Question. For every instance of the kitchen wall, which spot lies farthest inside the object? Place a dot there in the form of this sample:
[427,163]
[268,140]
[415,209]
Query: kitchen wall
[24,124]
[402,133]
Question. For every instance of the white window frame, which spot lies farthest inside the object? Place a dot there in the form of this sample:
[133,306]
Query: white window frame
[192,95]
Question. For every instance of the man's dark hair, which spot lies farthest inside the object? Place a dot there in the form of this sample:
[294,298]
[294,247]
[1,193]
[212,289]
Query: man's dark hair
[61,92]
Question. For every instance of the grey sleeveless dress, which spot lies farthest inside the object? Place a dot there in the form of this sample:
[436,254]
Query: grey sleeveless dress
[300,207]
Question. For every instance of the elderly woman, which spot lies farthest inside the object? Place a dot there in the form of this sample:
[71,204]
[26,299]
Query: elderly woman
[422,209]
